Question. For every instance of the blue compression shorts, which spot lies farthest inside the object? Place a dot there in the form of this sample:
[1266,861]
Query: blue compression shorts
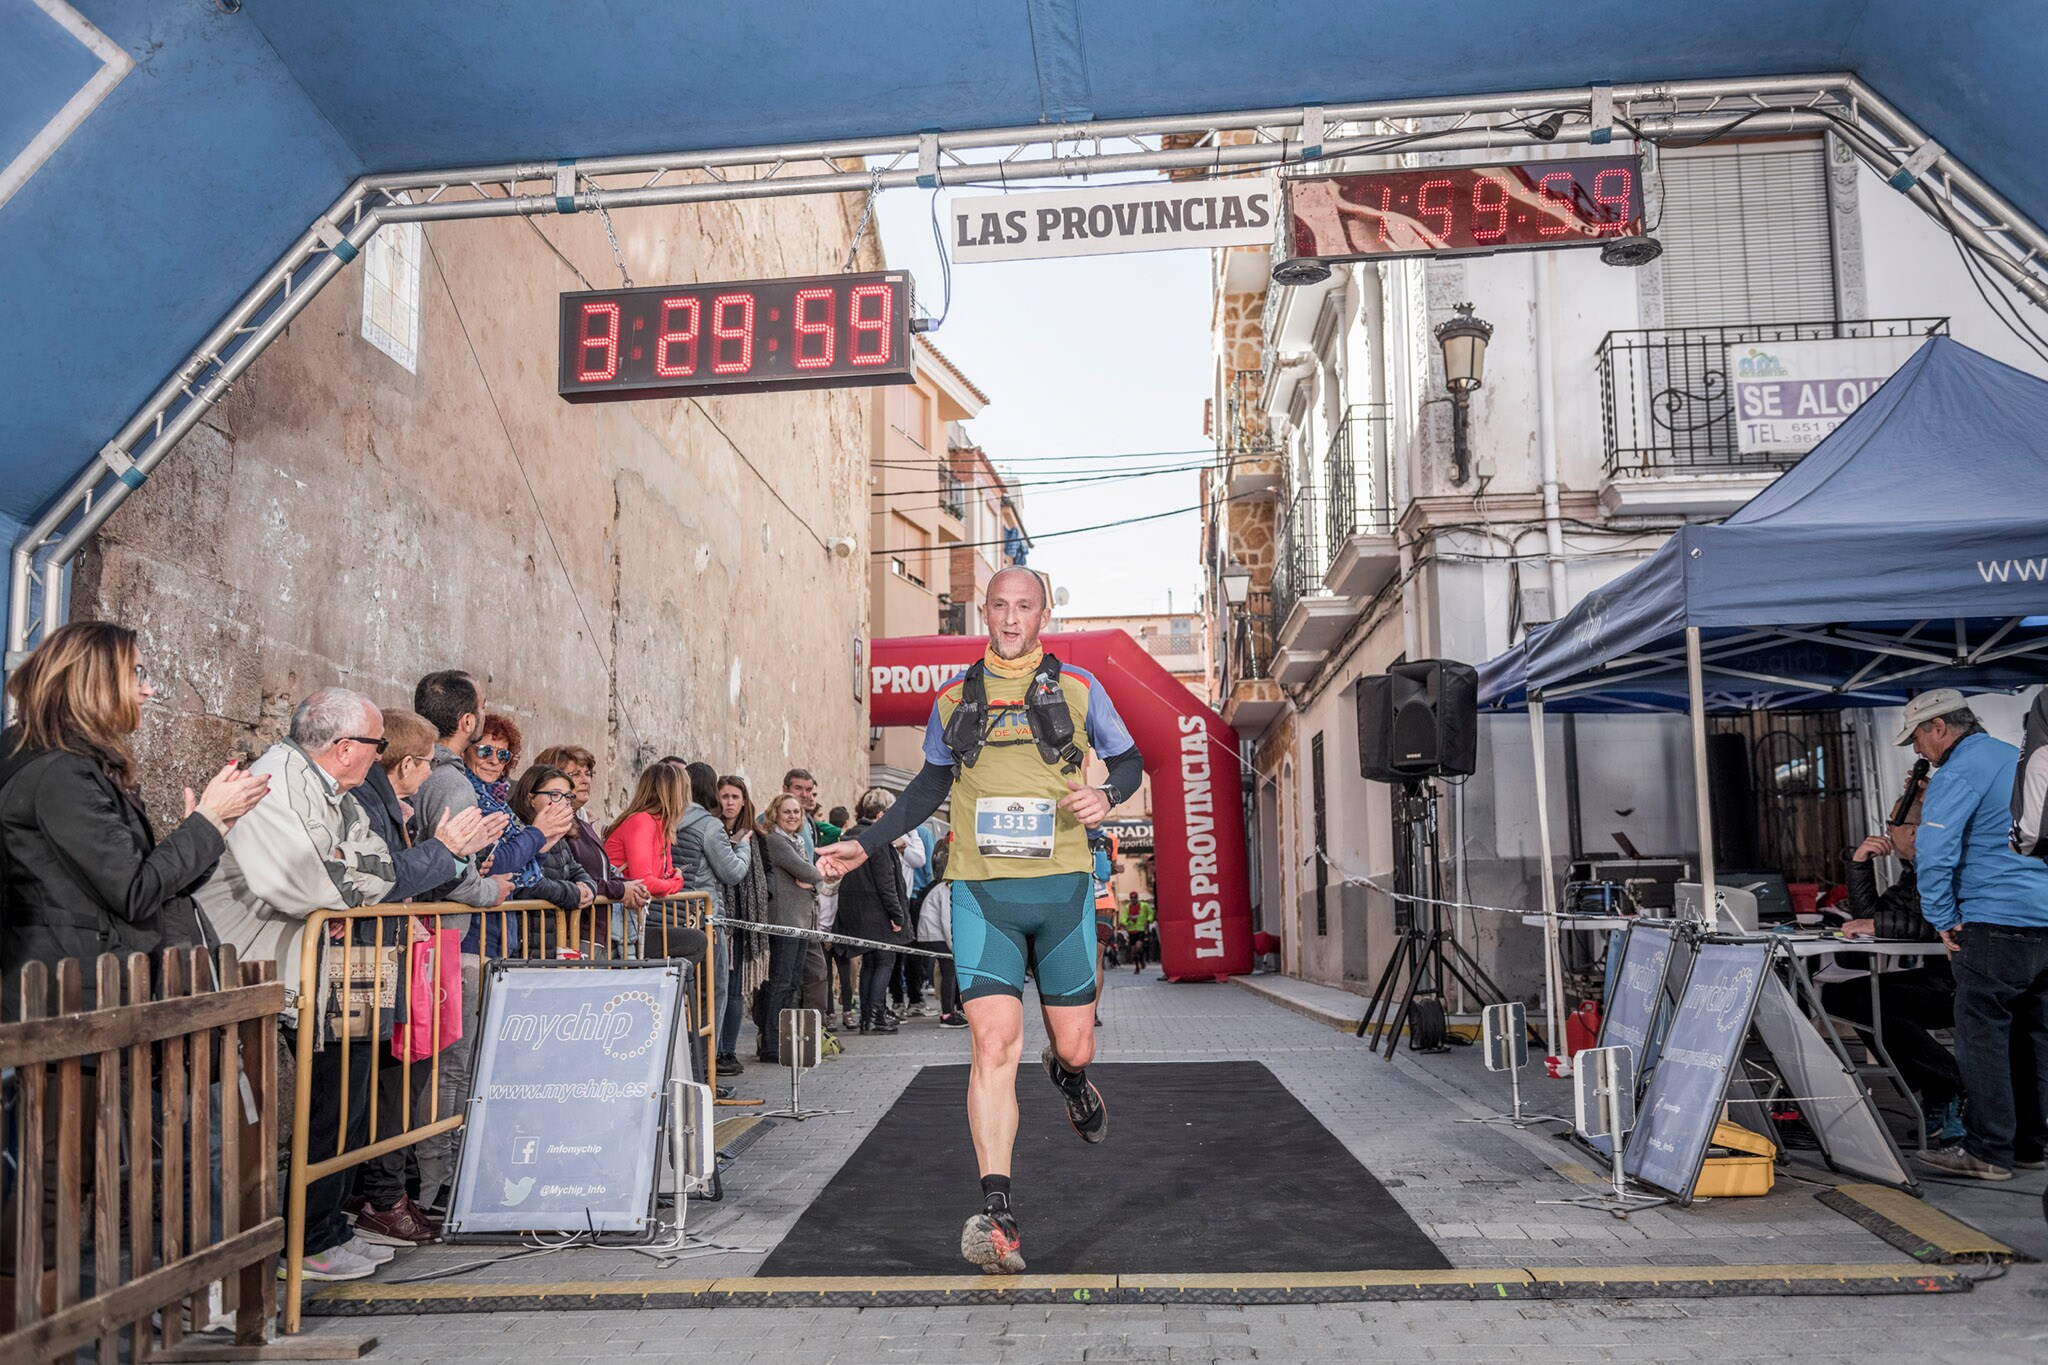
[1001,926]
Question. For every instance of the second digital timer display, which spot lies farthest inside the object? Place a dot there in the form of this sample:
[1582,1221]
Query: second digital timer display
[1445,210]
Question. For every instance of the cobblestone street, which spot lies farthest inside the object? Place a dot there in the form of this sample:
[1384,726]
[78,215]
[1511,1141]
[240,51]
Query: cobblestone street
[1473,1187]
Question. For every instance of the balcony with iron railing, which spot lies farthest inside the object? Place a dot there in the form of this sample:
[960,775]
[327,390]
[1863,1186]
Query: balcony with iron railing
[1359,524]
[1250,655]
[952,618]
[952,494]
[1361,492]
[1308,617]
[1250,695]
[1667,405]
[1298,569]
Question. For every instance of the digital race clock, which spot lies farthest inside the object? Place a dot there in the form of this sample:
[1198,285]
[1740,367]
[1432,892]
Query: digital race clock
[746,336]
[1463,210]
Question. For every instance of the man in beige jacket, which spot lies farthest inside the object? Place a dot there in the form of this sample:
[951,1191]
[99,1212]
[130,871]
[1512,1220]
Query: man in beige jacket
[307,847]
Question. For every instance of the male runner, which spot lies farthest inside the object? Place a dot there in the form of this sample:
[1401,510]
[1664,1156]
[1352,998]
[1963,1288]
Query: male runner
[1009,739]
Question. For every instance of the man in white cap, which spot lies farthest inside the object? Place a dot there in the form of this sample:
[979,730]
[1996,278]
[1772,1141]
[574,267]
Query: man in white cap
[1990,906]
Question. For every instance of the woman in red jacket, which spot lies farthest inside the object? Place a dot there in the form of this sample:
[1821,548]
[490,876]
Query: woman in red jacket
[638,842]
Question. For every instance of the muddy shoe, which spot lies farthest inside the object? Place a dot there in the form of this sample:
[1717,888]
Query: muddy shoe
[991,1241]
[1956,1161]
[1085,1109]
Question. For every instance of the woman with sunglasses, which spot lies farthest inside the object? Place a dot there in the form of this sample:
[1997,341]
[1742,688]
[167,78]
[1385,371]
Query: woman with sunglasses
[84,874]
[488,761]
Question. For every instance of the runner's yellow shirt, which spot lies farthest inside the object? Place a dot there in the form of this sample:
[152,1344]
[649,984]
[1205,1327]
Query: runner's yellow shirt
[1006,818]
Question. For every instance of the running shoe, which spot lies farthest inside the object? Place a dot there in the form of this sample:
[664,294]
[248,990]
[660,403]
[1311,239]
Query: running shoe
[954,1020]
[368,1251]
[335,1263]
[991,1241]
[1085,1109]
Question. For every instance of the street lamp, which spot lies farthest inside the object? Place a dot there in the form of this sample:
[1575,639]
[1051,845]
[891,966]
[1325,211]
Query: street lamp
[1237,582]
[1463,340]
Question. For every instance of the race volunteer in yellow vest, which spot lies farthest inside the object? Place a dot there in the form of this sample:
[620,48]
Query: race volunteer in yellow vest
[1009,741]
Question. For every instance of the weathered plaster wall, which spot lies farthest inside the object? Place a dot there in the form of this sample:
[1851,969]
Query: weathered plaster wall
[642,578]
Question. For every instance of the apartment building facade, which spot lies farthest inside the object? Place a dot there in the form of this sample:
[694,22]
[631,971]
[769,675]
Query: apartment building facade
[1604,422]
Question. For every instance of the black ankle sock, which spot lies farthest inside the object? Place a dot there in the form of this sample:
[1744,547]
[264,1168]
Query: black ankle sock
[995,1192]
[1063,1074]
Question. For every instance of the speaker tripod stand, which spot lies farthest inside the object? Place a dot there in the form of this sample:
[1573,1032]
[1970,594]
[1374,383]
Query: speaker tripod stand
[1427,954]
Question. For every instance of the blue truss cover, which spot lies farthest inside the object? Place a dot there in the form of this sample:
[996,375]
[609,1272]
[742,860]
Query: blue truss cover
[235,130]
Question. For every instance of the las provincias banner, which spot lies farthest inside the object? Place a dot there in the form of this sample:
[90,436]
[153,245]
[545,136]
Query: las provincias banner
[1198,858]
[1113,218]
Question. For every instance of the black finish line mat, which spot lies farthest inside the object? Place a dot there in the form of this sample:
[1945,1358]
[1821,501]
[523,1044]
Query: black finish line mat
[1210,1168]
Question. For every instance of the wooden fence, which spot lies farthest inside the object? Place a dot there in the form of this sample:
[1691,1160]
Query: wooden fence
[144,1133]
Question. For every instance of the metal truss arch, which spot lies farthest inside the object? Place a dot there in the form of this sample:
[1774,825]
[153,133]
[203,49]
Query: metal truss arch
[1187,144]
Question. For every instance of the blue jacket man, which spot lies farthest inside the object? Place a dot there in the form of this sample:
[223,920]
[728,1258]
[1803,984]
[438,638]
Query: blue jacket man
[1990,906]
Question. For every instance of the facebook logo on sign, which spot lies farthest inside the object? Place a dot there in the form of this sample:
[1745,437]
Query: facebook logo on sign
[525,1151]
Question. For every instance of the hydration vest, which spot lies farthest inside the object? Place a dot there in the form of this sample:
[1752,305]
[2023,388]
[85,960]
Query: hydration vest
[1045,710]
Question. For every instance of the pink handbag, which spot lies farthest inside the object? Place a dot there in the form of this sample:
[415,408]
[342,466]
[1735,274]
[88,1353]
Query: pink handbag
[434,992]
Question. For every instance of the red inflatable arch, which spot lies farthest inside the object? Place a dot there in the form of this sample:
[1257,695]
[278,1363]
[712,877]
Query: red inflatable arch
[1205,916]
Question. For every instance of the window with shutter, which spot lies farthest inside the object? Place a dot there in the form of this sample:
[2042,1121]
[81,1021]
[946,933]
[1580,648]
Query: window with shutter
[1746,234]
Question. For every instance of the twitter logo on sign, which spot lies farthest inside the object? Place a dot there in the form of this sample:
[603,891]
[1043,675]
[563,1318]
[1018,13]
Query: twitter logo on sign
[517,1190]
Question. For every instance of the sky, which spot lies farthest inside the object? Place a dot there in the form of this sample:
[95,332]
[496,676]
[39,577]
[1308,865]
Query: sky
[1086,362]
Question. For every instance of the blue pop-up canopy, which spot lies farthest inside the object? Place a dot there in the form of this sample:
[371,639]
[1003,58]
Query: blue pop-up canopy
[1908,551]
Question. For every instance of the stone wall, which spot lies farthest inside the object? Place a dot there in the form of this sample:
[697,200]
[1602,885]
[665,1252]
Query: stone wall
[642,578]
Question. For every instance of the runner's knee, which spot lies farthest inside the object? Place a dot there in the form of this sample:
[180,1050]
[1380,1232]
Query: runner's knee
[1078,1051]
[998,1048]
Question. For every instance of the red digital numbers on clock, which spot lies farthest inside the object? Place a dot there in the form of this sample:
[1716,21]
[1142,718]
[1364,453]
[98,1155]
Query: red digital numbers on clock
[1560,204]
[1442,210]
[808,329]
[1425,209]
[1614,190]
[732,320]
[603,342]
[672,338]
[745,336]
[1490,196]
[872,307]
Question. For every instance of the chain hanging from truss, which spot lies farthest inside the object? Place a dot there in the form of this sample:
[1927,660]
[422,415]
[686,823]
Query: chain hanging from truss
[618,257]
[860,230]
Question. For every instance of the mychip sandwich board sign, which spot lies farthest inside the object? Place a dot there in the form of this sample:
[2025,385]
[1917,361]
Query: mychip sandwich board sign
[1636,1009]
[564,1130]
[1685,1094]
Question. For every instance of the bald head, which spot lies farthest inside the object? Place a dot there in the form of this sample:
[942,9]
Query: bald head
[1016,611]
[1016,581]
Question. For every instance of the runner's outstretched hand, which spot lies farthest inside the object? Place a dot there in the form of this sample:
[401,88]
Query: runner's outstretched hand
[836,860]
[1089,804]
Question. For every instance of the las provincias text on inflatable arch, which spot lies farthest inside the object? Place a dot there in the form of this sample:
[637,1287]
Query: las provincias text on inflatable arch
[1203,890]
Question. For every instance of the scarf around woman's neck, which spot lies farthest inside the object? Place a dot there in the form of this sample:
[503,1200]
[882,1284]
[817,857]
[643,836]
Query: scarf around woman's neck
[1022,666]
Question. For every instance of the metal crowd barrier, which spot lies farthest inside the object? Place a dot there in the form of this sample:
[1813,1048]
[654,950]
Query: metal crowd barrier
[188,1131]
[355,997]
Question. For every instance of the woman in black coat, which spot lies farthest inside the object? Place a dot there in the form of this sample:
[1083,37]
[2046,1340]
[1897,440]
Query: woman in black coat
[81,872]
[871,906]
